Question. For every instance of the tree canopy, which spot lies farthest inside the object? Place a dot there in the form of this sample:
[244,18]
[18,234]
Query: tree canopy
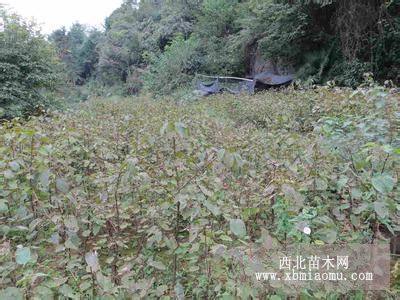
[28,65]
[322,39]
[159,46]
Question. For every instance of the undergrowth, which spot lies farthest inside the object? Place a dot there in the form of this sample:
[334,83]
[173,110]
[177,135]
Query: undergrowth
[133,198]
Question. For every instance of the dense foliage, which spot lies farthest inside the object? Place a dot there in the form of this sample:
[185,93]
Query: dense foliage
[321,40]
[159,46]
[28,66]
[139,198]
[77,49]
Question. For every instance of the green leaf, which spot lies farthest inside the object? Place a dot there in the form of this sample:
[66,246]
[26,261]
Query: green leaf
[381,209]
[179,291]
[3,206]
[161,290]
[84,286]
[342,182]
[181,129]
[297,199]
[71,223]
[157,265]
[73,242]
[29,132]
[67,291]
[238,227]
[44,178]
[321,184]
[213,208]
[92,261]
[14,165]
[104,282]
[8,174]
[11,293]
[383,183]
[62,185]
[23,255]
[361,208]
[218,249]
[43,293]
[205,191]
[327,235]
[356,193]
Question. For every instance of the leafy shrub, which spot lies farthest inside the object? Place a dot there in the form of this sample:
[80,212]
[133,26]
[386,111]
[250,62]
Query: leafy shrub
[138,198]
[28,67]
[348,73]
[174,68]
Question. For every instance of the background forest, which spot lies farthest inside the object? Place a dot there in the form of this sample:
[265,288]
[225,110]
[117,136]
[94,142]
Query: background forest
[116,184]
[160,45]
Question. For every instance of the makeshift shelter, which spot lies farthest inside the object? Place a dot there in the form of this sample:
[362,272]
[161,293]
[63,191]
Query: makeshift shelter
[236,85]
[268,79]
[209,88]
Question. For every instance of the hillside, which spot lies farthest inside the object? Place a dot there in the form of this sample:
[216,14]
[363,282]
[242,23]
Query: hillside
[132,197]
[160,47]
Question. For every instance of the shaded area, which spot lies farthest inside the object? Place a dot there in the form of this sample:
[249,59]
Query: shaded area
[233,85]
[268,78]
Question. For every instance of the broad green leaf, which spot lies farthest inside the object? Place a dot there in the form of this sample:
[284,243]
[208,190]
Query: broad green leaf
[342,182]
[218,250]
[381,209]
[296,199]
[55,238]
[161,290]
[73,242]
[227,296]
[71,223]
[356,193]
[29,132]
[34,224]
[92,261]
[67,291]
[43,293]
[157,265]
[329,236]
[62,185]
[205,191]
[383,183]
[181,129]
[104,282]
[85,285]
[237,227]
[14,165]
[23,255]
[8,174]
[44,178]
[321,184]
[213,208]
[11,293]
[3,206]
[361,208]
[179,291]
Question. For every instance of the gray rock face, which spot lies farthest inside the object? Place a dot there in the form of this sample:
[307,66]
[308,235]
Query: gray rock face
[274,66]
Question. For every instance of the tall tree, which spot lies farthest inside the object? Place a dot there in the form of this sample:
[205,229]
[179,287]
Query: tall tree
[28,66]
[77,48]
